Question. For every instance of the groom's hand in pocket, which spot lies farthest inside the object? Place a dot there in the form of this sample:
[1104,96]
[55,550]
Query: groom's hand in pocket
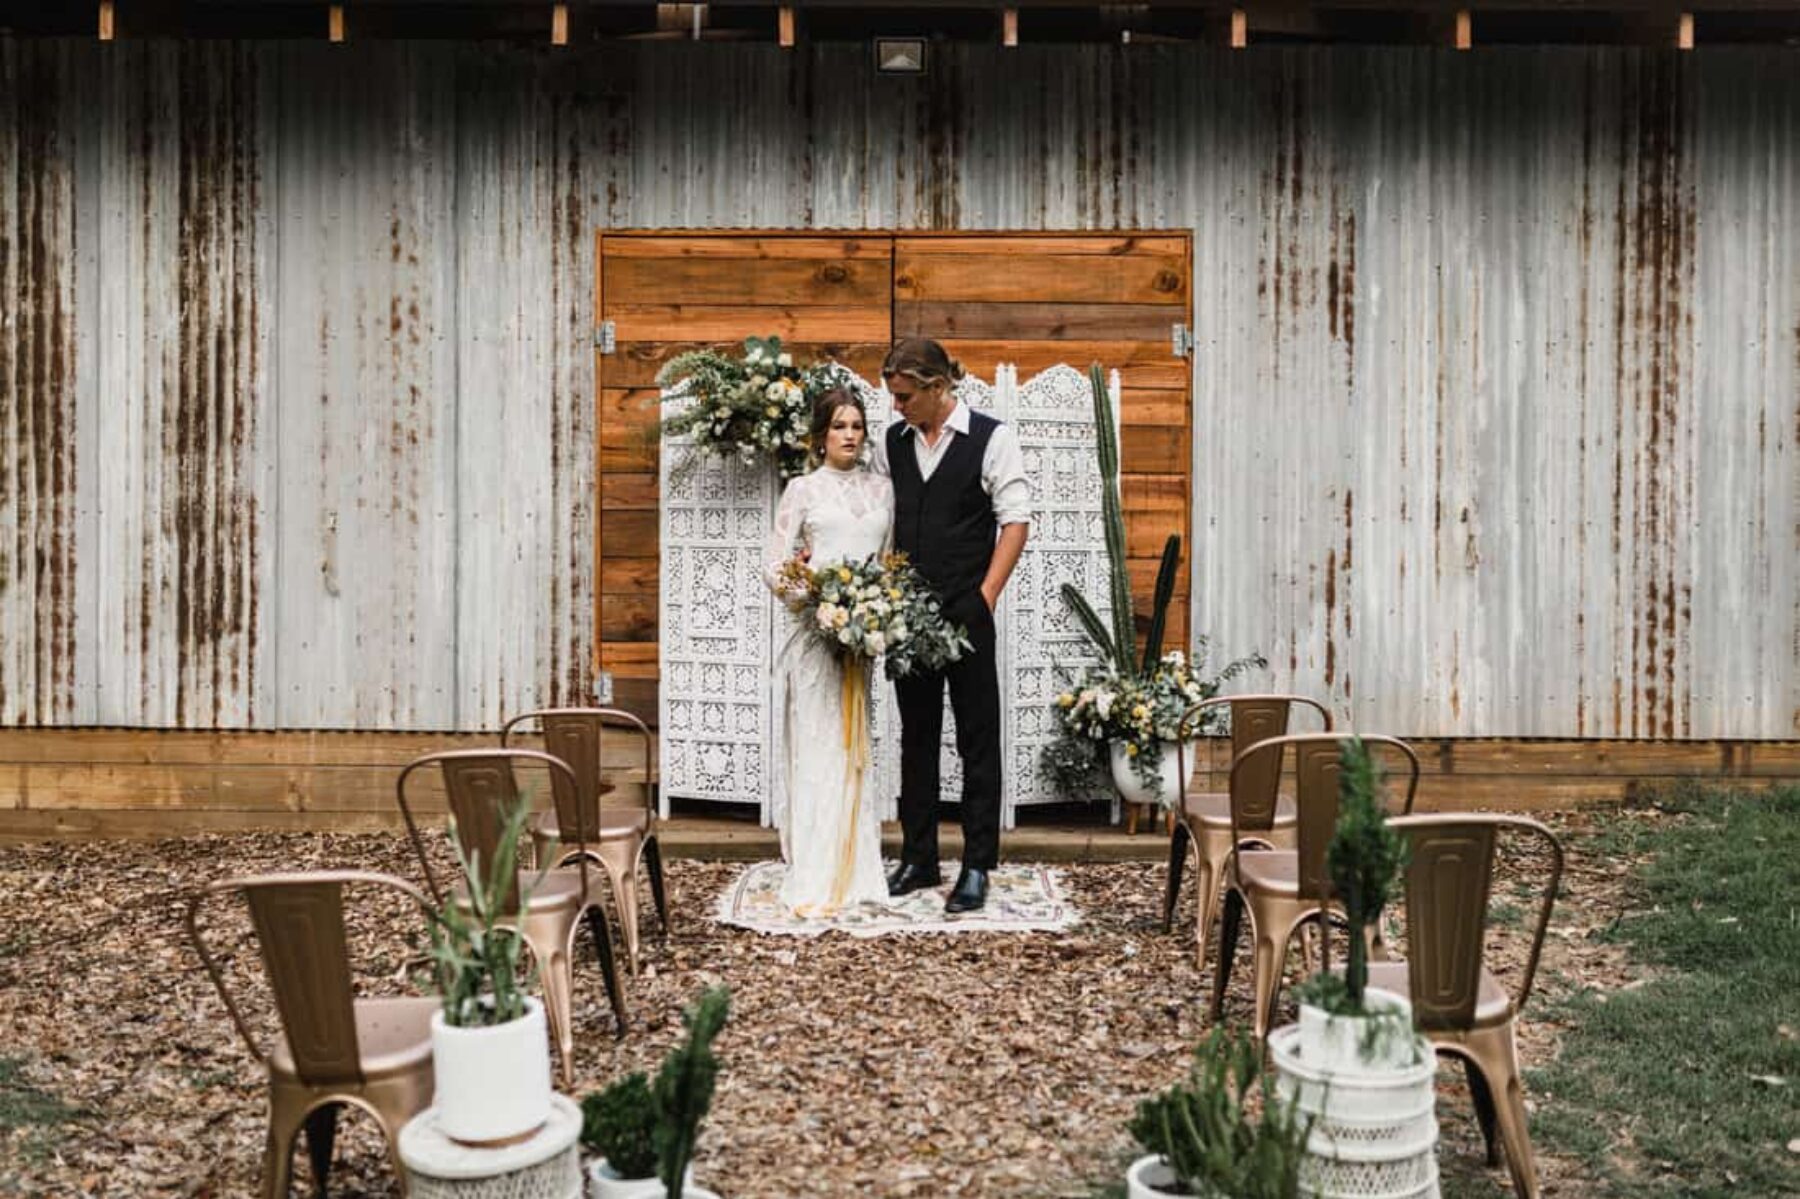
[992,601]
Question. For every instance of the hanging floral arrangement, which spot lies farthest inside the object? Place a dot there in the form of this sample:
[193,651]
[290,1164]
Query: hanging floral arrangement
[757,406]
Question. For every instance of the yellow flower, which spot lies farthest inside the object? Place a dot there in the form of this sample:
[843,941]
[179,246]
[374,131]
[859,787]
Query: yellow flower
[893,593]
[772,410]
[1065,700]
[1140,711]
[1131,749]
[843,574]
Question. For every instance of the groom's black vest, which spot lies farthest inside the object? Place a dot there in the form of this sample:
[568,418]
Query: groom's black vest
[945,524]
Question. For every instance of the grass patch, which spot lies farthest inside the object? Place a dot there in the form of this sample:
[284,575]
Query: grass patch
[23,1105]
[1689,1083]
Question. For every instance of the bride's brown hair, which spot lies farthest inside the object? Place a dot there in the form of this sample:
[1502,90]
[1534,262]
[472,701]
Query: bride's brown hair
[824,408]
[923,361]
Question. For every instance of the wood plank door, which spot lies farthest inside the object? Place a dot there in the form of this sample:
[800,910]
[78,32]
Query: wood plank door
[668,293]
[1029,299]
[1038,299]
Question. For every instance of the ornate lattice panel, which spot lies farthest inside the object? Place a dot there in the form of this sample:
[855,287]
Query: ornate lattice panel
[715,627]
[1043,648]
[719,726]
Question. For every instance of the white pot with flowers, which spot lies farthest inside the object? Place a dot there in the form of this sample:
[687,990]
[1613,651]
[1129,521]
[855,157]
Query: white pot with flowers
[490,1043]
[1130,704]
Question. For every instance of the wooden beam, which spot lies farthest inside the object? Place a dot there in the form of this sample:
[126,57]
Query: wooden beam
[1684,32]
[559,25]
[1464,37]
[1009,27]
[335,23]
[784,26]
[1240,29]
[105,28]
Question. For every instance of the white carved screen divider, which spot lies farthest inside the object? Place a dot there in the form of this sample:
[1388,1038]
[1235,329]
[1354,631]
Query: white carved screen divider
[718,621]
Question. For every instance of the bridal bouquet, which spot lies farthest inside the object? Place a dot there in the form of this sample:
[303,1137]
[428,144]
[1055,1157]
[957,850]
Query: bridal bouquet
[877,608]
[755,406]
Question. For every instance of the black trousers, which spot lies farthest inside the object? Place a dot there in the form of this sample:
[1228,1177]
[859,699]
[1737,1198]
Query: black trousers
[975,699]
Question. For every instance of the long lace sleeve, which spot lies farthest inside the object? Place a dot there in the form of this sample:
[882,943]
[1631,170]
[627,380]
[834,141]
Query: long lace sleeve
[887,505]
[787,536]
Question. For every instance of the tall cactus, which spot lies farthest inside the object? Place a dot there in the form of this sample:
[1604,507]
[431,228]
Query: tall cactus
[1120,644]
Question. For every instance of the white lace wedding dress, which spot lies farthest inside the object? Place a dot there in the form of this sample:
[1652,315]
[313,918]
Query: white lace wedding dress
[830,829]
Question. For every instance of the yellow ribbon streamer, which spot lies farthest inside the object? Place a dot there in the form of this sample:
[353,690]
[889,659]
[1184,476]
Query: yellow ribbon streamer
[856,758]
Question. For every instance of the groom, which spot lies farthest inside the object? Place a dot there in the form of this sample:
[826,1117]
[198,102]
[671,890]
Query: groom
[962,508]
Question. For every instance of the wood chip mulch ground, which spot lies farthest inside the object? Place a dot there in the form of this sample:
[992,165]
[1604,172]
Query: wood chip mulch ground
[952,1065]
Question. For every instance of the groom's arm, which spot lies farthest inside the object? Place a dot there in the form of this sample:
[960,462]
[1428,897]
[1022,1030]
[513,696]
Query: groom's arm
[1003,475]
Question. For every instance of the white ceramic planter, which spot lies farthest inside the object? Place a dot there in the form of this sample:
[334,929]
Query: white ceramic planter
[1335,1044]
[493,1084]
[1167,792]
[1150,1178]
[604,1183]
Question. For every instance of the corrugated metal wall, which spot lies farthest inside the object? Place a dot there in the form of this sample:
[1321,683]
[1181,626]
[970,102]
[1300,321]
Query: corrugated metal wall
[1498,380]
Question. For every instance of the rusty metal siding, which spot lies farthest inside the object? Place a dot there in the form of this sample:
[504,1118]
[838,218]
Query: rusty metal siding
[1497,392]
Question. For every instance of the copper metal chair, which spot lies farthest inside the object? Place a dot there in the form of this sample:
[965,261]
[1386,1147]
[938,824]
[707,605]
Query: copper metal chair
[1204,829]
[1285,888]
[334,1049]
[1457,1003]
[617,839]
[481,789]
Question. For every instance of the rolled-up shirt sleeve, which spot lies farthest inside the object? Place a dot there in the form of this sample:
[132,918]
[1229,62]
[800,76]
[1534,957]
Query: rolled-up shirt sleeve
[1003,478]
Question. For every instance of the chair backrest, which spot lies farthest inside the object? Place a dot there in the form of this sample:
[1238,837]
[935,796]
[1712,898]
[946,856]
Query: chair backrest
[482,789]
[299,923]
[576,735]
[1449,875]
[1317,768]
[1253,718]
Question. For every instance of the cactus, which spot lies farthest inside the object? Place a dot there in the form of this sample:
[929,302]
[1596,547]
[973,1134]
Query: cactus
[1118,647]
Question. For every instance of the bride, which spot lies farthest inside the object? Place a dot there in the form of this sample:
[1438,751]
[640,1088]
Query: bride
[830,830]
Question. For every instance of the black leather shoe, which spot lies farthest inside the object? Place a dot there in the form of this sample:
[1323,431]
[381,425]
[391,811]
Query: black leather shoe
[970,892]
[910,878]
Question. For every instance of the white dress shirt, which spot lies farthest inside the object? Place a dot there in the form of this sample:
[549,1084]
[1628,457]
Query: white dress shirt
[1002,466]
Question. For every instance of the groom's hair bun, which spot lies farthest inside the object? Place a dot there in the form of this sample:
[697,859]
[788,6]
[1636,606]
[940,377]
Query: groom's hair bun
[923,361]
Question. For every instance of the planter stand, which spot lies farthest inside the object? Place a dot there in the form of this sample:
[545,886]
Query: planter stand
[1375,1131]
[546,1165]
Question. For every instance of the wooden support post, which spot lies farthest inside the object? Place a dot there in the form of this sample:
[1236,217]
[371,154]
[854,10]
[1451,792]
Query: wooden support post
[559,25]
[784,26]
[1009,27]
[1240,29]
[105,28]
[1684,32]
[335,23]
[1464,37]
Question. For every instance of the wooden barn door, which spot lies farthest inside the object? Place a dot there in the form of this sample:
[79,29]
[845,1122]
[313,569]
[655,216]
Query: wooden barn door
[659,295]
[1030,299]
[1038,299]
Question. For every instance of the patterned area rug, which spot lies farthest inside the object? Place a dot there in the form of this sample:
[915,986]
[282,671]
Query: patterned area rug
[1022,897]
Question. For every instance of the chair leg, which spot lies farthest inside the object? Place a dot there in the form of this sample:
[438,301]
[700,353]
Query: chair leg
[321,1132]
[1177,859]
[278,1153]
[1229,920]
[658,892]
[1270,959]
[555,972]
[609,966]
[1206,891]
[624,889]
[396,1100]
[1483,1100]
[1495,1053]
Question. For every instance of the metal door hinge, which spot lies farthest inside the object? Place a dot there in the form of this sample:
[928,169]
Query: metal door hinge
[1181,341]
[606,337]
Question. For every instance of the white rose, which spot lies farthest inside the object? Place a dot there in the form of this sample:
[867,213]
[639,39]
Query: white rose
[897,632]
[1103,704]
[845,636]
[826,616]
[876,643]
[784,360]
[774,391]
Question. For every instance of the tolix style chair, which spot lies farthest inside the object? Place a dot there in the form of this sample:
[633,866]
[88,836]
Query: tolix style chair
[619,840]
[1284,888]
[1203,830]
[481,788]
[334,1049]
[1458,1004]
